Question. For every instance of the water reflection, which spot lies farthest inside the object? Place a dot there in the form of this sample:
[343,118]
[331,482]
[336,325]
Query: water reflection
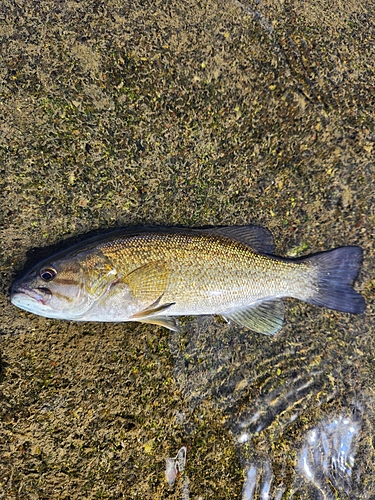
[259,478]
[324,468]
[286,402]
[327,457]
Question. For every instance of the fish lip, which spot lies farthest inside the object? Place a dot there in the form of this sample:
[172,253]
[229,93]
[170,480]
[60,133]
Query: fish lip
[40,294]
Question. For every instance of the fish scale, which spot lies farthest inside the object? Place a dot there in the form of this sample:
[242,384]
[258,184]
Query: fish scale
[228,265]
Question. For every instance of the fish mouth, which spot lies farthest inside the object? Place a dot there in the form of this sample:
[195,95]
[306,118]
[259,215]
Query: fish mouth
[40,294]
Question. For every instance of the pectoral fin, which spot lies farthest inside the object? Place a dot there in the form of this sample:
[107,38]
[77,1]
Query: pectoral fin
[149,282]
[262,317]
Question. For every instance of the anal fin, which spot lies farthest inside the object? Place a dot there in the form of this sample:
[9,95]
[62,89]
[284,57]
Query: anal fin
[262,317]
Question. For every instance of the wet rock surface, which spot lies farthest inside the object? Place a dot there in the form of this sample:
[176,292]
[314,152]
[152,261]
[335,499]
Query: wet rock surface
[194,114]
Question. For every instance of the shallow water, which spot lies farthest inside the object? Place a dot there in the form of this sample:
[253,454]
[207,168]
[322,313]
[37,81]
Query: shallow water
[294,410]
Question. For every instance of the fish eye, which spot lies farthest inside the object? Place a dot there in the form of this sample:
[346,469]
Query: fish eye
[48,273]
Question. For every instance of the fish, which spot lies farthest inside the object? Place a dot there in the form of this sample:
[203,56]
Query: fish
[157,275]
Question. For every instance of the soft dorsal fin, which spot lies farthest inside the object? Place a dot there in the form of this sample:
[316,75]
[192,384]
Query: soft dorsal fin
[262,317]
[257,238]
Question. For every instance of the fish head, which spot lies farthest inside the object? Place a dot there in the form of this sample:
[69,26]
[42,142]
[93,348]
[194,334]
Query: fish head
[61,288]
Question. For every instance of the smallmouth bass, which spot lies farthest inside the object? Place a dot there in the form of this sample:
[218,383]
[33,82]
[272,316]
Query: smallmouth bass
[154,276]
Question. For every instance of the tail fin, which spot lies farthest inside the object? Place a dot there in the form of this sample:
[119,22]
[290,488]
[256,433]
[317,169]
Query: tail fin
[336,271]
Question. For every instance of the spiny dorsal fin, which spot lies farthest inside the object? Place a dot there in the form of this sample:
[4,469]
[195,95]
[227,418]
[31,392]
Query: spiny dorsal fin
[258,238]
[262,317]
